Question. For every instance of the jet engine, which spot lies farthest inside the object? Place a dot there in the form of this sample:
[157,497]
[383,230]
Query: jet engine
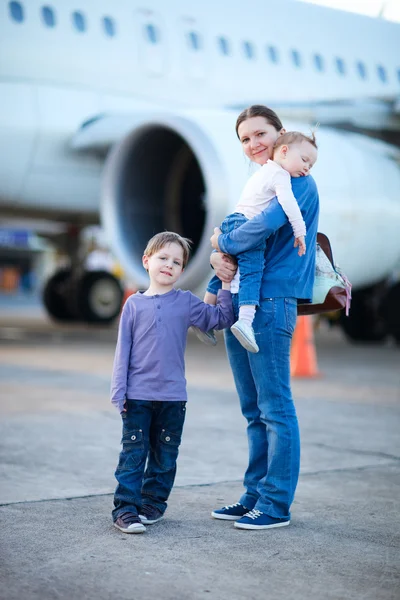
[185,173]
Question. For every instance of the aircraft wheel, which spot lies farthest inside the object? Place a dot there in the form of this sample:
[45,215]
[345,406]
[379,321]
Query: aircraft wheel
[54,297]
[364,323]
[390,311]
[100,297]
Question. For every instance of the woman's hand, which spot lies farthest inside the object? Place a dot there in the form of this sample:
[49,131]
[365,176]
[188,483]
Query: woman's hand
[214,238]
[224,265]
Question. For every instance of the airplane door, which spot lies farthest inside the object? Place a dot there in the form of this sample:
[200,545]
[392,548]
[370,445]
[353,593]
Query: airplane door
[151,36]
[194,55]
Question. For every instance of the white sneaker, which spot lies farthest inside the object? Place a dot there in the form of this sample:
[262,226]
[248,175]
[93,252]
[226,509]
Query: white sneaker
[245,334]
[207,337]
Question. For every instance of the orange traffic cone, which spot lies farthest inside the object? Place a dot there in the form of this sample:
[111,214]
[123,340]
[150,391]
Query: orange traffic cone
[303,357]
[127,292]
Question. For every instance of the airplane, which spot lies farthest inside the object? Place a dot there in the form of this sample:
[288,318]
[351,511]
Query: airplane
[125,112]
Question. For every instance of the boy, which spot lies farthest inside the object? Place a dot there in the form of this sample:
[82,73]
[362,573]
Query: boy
[294,155]
[148,381]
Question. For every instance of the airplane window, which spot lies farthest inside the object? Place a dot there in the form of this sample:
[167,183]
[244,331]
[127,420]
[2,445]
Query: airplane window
[16,11]
[48,16]
[319,62]
[109,26]
[273,54]
[362,70]
[152,33]
[223,46]
[381,73]
[248,50]
[194,40]
[296,58]
[79,21]
[340,66]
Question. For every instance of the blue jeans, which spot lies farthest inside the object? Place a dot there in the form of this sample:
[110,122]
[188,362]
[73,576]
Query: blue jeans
[263,384]
[251,266]
[151,431]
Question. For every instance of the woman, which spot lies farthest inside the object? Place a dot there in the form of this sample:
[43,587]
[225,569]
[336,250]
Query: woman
[263,379]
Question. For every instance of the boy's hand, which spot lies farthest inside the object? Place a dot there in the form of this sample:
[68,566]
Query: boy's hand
[300,242]
[124,408]
[214,238]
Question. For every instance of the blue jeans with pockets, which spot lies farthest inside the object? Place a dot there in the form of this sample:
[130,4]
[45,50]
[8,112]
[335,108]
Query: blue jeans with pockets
[251,266]
[151,435]
[263,385]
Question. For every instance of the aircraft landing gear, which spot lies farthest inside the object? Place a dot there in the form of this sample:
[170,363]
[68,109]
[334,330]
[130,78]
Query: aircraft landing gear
[100,297]
[55,296]
[390,311]
[364,323]
[374,314]
[92,297]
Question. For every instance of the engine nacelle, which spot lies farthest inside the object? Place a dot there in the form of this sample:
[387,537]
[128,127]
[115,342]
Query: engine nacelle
[185,173]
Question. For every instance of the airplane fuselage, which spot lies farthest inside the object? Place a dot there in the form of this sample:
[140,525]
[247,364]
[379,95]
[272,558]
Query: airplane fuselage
[63,71]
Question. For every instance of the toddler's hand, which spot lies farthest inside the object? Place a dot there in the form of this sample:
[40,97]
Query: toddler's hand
[214,238]
[301,244]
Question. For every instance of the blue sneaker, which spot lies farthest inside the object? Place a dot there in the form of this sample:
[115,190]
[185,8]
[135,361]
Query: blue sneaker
[207,337]
[255,519]
[230,512]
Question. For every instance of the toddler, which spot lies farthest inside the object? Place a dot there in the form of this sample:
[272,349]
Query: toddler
[294,155]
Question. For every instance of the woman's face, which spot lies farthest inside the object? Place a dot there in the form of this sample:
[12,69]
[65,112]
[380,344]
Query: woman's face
[258,137]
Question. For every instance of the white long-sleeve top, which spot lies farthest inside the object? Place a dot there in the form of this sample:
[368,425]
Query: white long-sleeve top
[270,181]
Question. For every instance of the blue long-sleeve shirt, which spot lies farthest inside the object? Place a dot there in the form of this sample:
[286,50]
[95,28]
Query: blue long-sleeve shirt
[285,273]
[149,358]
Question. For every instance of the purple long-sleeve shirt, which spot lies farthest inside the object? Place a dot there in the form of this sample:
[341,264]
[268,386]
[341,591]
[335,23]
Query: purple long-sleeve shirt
[149,359]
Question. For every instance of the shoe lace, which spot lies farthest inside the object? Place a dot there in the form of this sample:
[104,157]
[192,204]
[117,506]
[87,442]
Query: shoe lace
[254,514]
[232,505]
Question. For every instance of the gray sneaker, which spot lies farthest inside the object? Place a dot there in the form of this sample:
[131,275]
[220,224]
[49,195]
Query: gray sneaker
[245,334]
[207,337]
[150,514]
[129,523]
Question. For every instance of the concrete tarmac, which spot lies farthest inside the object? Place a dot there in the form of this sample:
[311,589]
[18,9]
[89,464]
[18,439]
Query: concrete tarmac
[59,443]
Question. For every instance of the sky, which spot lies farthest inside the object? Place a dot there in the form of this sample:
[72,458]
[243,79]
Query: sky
[391,8]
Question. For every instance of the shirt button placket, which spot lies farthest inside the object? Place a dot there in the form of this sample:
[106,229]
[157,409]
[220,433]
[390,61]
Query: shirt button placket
[158,308]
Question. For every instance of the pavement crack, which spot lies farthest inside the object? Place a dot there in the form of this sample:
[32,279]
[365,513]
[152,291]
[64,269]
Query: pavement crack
[200,485]
[359,452]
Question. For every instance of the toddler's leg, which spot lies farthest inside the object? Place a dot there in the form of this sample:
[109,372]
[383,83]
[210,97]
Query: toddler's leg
[251,268]
[247,313]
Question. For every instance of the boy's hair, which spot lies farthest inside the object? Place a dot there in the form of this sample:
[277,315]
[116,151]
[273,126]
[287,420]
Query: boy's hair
[294,137]
[160,240]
